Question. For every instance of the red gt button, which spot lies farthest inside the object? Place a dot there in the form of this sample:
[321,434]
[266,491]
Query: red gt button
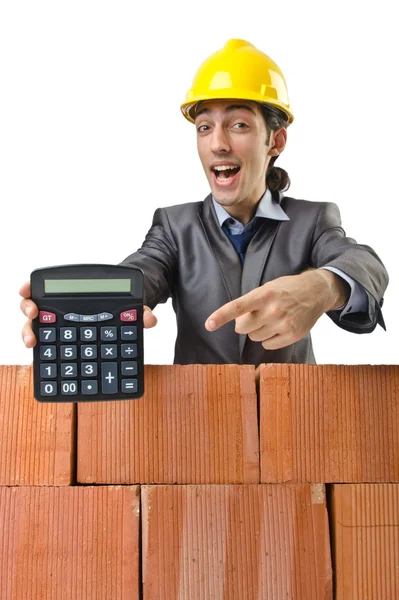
[47,317]
[129,315]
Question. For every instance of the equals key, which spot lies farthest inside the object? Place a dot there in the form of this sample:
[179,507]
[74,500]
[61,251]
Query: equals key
[129,385]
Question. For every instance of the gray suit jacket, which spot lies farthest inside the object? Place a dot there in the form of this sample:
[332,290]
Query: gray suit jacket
[186,255]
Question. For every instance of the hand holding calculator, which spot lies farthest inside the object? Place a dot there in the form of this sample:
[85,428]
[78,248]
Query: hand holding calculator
[89,333]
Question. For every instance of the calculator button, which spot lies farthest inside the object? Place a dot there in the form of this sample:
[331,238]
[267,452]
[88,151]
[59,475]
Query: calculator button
[110,351]
[69,388]
[129,385]
[69,370]
[48,371]
[69,352]
[47,317]
[109,377]
[129,315]
[129,350]
[129,333]
[48,353]
[89,370]
[88,334]
[89,387]
[68,334]
[48,388]
[88,318]
[105,316]
[108,334]
[47,334]
[71,317]
[88,351]
[129,367]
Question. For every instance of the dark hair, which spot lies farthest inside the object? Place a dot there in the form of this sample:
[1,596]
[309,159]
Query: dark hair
[276,178]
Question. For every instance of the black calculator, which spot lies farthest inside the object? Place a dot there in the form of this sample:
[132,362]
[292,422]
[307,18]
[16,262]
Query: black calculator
[89,333]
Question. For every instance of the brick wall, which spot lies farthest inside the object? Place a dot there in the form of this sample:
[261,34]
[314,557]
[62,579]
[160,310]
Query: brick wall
[220,483]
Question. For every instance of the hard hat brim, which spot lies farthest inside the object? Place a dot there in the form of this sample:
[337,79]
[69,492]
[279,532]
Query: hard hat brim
[189,108]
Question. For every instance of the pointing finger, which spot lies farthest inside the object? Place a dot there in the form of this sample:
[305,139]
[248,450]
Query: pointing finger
[232,310]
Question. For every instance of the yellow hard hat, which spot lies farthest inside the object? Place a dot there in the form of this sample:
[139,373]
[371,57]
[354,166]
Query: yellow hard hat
[238,71]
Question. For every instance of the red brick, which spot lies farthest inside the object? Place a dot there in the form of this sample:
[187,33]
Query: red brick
[329,423]
[236,542]
[36,440]
[76,543]
[365,531]
[195,424]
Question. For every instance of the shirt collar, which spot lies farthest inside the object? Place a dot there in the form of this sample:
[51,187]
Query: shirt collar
[266,209]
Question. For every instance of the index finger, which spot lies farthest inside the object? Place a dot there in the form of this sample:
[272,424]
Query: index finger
[25,290]
[232,310]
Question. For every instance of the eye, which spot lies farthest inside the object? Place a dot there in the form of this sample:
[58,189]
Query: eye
[240,125]
[201,128]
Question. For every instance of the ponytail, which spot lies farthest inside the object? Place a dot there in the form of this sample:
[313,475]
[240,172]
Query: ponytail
[276,178]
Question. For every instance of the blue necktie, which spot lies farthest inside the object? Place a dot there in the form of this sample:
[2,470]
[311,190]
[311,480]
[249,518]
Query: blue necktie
[241,241]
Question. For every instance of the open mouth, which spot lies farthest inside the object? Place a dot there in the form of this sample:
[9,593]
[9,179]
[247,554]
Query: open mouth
[225,175]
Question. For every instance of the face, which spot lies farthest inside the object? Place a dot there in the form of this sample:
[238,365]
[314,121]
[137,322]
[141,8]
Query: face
[231,142]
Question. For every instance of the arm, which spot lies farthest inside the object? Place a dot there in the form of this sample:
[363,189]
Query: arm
[285,309]
[358,300]
[331,248]
[157,258]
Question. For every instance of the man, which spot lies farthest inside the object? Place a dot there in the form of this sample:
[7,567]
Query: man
[250,270]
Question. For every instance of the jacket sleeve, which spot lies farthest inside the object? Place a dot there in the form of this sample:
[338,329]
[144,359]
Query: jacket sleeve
[331,247]
[157,258]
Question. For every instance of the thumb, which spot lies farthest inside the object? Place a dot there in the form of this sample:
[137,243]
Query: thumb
[149,318]
[25,290]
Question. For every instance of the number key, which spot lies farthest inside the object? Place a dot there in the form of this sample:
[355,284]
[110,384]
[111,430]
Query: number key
[48,371]
[88,334]
[48,353]
[47,335]
[69,370]
[48,388]
[69,353]
[68,334]
[69,388]
[88,351]
[89,370]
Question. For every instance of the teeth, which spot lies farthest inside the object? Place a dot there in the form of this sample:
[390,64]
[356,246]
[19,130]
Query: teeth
[224,167]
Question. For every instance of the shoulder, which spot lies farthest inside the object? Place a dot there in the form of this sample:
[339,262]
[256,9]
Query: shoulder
[297,208]
[179,216]
[314,212]
[181,210]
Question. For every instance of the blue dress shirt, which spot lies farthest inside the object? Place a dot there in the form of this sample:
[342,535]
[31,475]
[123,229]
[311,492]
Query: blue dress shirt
[269,209]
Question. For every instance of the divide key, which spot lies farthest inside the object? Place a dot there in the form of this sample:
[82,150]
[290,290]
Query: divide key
[129,351]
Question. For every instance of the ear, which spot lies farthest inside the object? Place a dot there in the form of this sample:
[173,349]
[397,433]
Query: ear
[278,141]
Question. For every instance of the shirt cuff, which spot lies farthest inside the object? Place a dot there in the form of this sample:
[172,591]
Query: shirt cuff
[358,300]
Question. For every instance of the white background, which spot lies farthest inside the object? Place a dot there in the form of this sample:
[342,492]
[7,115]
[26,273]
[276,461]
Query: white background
[92,140]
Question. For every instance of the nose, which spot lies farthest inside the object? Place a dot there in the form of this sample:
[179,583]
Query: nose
[220,140]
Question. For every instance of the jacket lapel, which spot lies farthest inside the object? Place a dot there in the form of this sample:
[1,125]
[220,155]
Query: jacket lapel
[255,261]
[227,258]
[238,280]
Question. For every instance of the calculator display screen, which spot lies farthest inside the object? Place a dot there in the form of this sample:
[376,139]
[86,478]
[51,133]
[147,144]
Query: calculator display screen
[76,286]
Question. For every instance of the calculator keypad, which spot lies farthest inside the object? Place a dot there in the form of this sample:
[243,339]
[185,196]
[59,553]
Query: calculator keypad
[87,355]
